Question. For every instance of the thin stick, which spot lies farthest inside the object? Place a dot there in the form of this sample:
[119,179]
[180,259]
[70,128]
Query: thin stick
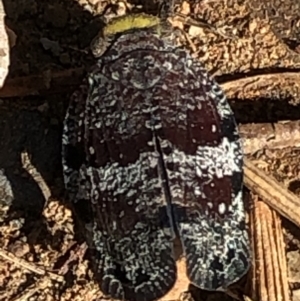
[29,266]
[274,252]
[262,285]
[40,283]
[272,192]
[282,259]
[252,285]
[265,218]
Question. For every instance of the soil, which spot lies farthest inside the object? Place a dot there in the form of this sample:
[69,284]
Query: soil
[55,35]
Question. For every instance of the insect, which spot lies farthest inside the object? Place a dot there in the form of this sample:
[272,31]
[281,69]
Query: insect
[151,151]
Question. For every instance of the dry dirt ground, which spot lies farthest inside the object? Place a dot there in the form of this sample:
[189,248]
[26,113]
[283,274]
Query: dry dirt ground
[254,40]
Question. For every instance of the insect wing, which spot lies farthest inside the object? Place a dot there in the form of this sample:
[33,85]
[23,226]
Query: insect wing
[132,235]
[203,161]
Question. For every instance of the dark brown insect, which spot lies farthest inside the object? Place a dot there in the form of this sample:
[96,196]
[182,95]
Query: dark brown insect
[151,150]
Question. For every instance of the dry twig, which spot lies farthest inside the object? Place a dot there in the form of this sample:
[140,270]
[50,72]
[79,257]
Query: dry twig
[29,266]
[272,192]
[37,177]
[270,281]
[43,281]
[263,86]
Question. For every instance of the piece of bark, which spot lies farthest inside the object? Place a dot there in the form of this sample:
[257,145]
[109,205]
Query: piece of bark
[275,85]
[279,135]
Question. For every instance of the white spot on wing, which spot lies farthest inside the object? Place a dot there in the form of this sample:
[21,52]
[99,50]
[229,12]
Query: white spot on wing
[222,208]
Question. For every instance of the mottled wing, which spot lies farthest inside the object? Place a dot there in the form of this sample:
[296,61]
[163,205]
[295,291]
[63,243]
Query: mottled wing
[203,160]
[131,231]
